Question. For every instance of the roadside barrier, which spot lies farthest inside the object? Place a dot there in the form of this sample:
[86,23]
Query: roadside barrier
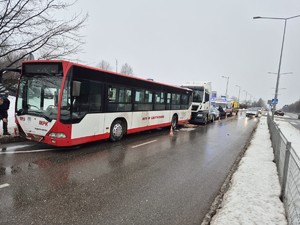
[288,166]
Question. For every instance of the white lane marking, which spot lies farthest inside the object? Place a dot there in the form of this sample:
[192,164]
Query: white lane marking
[18,146]
[294,123]
[4,185]
[146,143]
[31,151]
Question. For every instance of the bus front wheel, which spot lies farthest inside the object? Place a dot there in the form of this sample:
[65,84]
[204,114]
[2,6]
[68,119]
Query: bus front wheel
[117,130]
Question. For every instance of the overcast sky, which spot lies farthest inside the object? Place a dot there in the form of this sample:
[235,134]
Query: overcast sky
[176,41]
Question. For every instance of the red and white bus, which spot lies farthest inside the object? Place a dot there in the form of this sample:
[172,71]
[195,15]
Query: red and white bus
[64,104]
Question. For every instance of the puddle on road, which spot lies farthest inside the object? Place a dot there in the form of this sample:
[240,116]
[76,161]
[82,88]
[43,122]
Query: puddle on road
[187,129]
[24,167]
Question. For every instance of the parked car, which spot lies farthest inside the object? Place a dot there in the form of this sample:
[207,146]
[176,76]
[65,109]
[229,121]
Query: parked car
[252,112]
[259,109]
[228,110]
[214,112]
[279,113]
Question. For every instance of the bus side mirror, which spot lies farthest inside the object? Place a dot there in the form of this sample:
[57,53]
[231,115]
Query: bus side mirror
[76,88]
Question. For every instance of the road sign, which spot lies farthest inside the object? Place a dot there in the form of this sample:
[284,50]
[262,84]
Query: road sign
[276,101]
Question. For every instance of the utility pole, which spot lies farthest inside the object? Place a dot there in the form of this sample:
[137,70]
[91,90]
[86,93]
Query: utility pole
[116,65]
[226,85]
[239,92]
[280,58]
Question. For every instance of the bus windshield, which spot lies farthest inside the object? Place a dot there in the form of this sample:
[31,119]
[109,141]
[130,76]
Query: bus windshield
[38,95]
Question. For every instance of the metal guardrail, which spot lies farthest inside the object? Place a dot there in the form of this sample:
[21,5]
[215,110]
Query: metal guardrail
[288,166]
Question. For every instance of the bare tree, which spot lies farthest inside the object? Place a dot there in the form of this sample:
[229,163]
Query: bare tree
[126,69]
[104,65]
[9,78]
[33,26]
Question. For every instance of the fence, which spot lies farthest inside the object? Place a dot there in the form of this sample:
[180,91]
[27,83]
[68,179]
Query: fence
[288,166]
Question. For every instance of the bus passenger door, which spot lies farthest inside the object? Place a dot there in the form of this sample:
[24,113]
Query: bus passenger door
[88,106]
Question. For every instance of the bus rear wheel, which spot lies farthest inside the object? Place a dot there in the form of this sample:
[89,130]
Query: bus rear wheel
[117,130]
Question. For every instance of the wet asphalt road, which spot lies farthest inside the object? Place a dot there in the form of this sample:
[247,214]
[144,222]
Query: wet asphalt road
[147,178]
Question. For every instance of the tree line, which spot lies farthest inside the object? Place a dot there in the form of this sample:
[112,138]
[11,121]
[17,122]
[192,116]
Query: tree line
[260,103]
[294,107]
[125,69]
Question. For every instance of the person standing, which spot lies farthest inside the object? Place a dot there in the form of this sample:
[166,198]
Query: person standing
[4,106]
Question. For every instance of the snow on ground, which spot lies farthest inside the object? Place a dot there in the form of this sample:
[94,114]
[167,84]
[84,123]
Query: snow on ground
[11,116]
[291,134]
[253,197]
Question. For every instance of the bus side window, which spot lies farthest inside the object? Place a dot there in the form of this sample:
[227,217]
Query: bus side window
[168,102]
[119,99]
[112,94]
[95,97]
[184,102]
[143,100]
[95,103]
[159,101]
[128,96]
[175,101]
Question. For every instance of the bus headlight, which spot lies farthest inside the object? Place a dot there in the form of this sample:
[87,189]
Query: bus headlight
[57,135]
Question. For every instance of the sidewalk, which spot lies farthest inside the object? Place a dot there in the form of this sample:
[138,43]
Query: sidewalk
[253,195]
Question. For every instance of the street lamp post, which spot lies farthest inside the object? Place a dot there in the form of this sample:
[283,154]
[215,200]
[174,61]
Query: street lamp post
[116,65]
[239,91]
[226,85]
[280,59]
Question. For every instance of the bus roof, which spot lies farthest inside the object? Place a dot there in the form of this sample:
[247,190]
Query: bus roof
[105,71]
